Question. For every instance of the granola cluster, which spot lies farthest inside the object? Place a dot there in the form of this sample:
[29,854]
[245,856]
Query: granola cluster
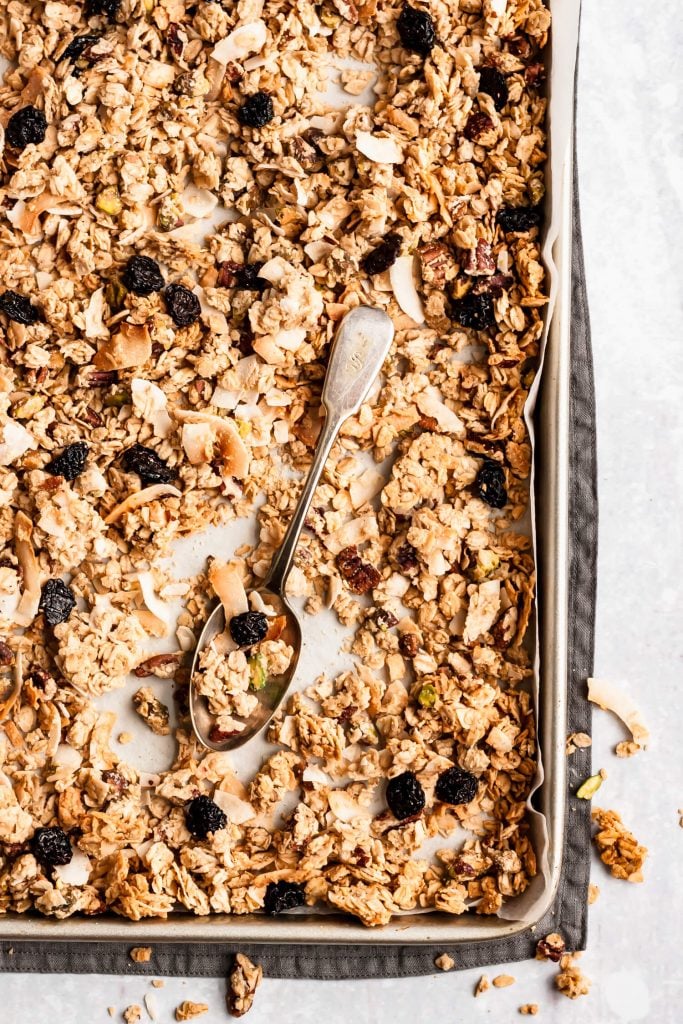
[185,218]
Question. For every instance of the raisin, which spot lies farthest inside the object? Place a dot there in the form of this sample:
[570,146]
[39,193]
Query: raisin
[384,256]
[492,82]
[360,576]
[474,311]
[142,276]
[519,218]
[18,308]
[51,846]
[26,127]
[147,464]
[116,781]
[490,485]
[256,111]
[57,601]
[247,278]
[173,40]
[203,816]
[552,948]
[248,628]
[281,896]
[78,47]
[477,125]
[416,31]
[108,8]
[385,619]
[182,305]
[455,786]
[70,463]
[405,796]
[406,557]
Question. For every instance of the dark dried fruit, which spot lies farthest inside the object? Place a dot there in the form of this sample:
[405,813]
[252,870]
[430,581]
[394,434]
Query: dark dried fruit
[519,218]
[18,308]
[57,601]
[203,816]
[384,256]
[492,82]
[406,556]
[70,463]
[6,657]
[477,125]
[173,40]
[256,111]
[474,311]
[552,948]
[281,896]
[51,846]
[534,75]
[78,47]
[182,305]
[26,127]
[147,464]
[455,786]
[405,796]
[359,575]
[416,31]
[408,644]
[490,485]
[385,619]
[247,278]
[116,781]
[108,8]
[248,628]
[142,275]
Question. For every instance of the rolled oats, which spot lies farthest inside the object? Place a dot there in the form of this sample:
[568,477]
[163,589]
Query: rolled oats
[145,140]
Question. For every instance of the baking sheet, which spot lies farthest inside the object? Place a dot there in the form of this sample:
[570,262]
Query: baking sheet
[151,753]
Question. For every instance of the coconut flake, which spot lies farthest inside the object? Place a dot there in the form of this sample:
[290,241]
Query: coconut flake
[66,757]
[132,346]
[150,403]
[162,610]
[345,807]
[238,811]
[290,339]
[76,872]
[23,548]
[379,150]
[364,487]
[222,434]
[143,497]
[354,532]
[274,270]
[317,250]
[227,583]
[16,440]
[402,277]
[430,403]
[94,316]
[198,202]
[610,697]
[241,42]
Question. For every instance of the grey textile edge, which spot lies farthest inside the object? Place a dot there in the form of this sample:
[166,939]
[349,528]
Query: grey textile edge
[569,914]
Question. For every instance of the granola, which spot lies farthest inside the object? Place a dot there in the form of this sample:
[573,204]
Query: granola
[192,146]
[618,848]
[243,981]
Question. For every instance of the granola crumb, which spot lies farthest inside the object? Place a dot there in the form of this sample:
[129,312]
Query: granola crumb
[140,954]
[111,1010]
[627,748]
[244,979]
[158,982]
[552,947]
[570,981]
[577,741]
[618,848]
[132,1013]
[188,1010]
[125,737]
[593,893]
[529,1009]
[503,980]
[483,985]
[445,962]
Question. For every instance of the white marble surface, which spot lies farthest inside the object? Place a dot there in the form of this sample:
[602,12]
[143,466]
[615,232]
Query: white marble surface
[631,163]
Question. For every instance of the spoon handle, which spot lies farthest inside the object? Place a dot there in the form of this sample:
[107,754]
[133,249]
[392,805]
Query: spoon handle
[360,346]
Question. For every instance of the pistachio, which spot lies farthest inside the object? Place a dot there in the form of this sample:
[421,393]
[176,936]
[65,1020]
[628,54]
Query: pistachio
[257,672]
[426,698]
[590,787]
[109,201]
[487,562]
[114,294]
[29,408]
[243,427]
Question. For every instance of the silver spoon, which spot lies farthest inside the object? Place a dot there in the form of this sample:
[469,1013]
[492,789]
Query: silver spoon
[360,346]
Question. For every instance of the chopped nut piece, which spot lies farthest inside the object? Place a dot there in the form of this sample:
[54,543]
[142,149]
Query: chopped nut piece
[483,985]
[243,981]
[188,1010]
[445,962]
[552,947]
[140,954]
[593,893]
[132,1014]
[618,848]
[503,980]
[151,710]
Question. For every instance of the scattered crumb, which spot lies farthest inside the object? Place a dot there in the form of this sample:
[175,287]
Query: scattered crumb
[680,819]
[529,1009]
[552,947]
[570,981]
[132,1014]
[125,737]
[482,985]
[111,1010]
[611,697]
[577,741]
[617,847]
[503,980]
[188,1010]
[444,962]
[151,1006]
[158,982]
[627,748]
[245,977]
[141,954]
[593,893]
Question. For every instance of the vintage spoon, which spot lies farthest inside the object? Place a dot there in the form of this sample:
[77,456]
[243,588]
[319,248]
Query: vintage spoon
[360,346]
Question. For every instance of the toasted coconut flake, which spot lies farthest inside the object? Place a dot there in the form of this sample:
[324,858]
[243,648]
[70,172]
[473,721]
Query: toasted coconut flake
[150,403]
[402,277]
[364,487]
[217,435]
[610,697]
[379,150]
[345,807]
[198,202]
[16,440]
[12,697]
[143,497]
[161,609]
[227,583]
[131,346]
[238,811]
[94,314]
[241,42]
[23,547]
[355,532]
[27,218]
[77,871]
[430,403]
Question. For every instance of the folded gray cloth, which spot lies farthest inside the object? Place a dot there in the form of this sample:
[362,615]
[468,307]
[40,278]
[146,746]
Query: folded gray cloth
[570,910]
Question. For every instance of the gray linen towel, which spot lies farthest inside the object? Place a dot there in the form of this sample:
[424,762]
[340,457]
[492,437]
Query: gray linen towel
[570,911]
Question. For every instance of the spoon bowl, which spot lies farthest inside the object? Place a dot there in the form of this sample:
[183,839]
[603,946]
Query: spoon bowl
[360,346]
